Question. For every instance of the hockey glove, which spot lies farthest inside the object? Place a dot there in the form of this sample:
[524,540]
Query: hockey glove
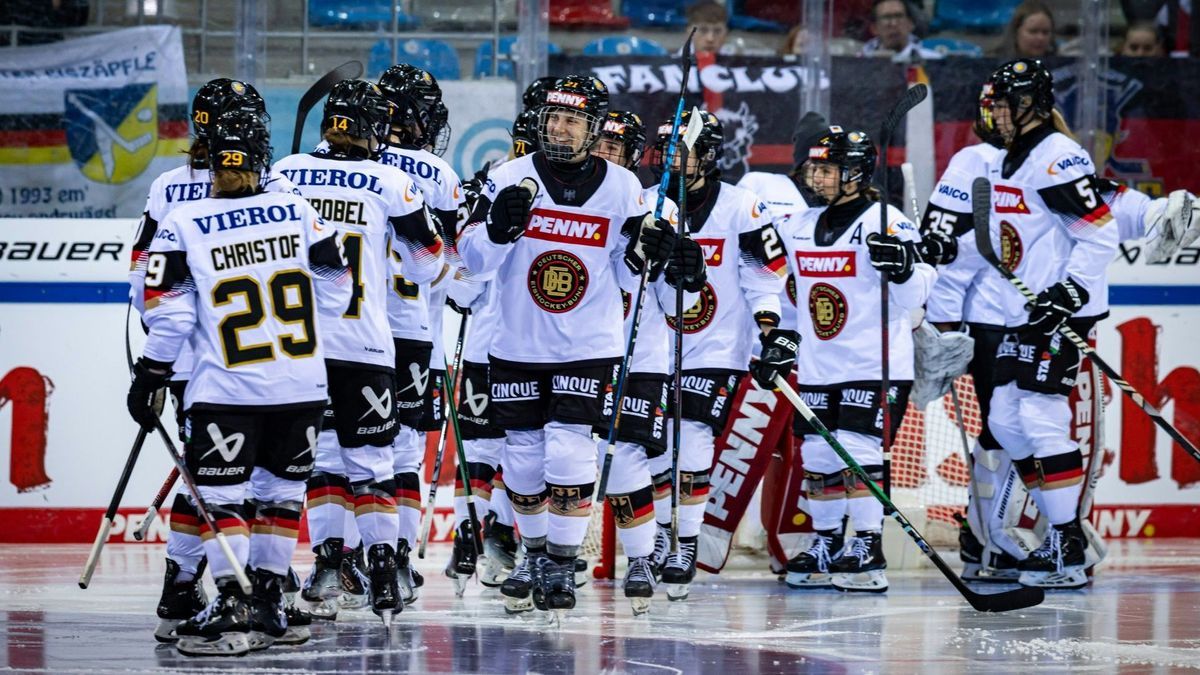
[937,248]
[508,215]
[149,379]
[657,241]
[778,357]
[687,267]
[1055,305]
[892,255]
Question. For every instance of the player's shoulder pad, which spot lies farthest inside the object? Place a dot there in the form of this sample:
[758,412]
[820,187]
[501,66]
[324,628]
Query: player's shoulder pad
[1062,160]
[750,206]
[755,181]
[277,182]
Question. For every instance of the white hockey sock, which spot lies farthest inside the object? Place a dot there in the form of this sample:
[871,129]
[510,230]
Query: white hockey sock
[499,503]
[273,532]
[408,507]
[638,541]
[184,545]
[329,501]
[1061,505]
[350,534]
[866,513]
[827,513]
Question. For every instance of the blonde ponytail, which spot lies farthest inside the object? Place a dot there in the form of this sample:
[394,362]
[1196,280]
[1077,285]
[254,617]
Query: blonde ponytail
[1061,126]
[234,181]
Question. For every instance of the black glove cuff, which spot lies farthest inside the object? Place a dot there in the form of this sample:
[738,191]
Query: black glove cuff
[767,318]
[154,367]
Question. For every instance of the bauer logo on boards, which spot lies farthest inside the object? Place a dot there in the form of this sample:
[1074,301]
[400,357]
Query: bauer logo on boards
[567,227]
[826,263]
[1010,200]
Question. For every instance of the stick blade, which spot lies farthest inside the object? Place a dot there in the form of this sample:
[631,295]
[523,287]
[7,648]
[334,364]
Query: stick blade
[981,212]
[1007,601]
[349,70]
[911,98]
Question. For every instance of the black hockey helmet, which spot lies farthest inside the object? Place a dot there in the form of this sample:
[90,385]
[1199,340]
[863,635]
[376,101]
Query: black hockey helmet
[808,131]
[217,96]
[439,120]
[626,128]
[535,93]
[416,96]
[240,140]
[524,133]
[1016,80]
[707,148]
[358,109]
[851,151]
[584,96]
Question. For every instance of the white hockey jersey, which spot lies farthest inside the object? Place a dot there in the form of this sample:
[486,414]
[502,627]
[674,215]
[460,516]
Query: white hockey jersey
[181,185]
[559,284]
[839,319]
[783,199]
[376,208]
[236,277]
[1049,221]
[746,271]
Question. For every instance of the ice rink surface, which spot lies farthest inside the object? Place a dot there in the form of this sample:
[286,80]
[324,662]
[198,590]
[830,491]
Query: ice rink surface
[1142,615]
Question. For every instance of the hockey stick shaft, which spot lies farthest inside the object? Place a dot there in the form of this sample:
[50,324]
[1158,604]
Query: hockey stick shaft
[320,89]
[106,521]
[981,197]
[463,473]
[998,602]
[152,511]
[427,516]
[640,300]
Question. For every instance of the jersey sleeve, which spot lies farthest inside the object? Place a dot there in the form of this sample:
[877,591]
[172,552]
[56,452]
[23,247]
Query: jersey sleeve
[480,255]
[170,295]
[146,229]
[762,265]
[626,249]
[949,209]
[414,234]
[1073,196]
[915,291]
[277,182]
[327,262]
[947,299]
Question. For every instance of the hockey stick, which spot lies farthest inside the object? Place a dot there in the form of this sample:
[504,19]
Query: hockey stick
[106,522]
[463,474]
[152,511]
[1019,598]
[347,71]
[202,509]
[912,96]
[427,518]
[981,196]
[614,424]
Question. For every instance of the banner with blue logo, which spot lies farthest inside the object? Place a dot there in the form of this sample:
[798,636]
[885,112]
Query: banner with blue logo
[86,125]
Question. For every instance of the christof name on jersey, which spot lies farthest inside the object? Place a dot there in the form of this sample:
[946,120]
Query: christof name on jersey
[567,227]
[828,309]
[700,315]
[1009,200]
[714,250]
[558,281]
[826,264]
[1012,250]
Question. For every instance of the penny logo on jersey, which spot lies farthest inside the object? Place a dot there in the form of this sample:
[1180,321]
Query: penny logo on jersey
[700,315]
[1010,200]
[1011,248]
[826,263]
[567,227]
[828,310]
[714,250]
[557,281]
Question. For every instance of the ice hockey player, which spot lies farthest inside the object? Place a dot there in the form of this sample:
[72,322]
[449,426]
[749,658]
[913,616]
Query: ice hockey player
[642,431]
[257,387]
[556,230]
[415,310]
[739,303]
[837,255]
[1057,234]
[372,204]
[183,595]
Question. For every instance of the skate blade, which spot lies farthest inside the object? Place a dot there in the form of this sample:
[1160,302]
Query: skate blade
[640,606]
[1067,580]
[804,580]
[385,615]
[581,579]
[992,576]
[295,635]
[353,601]
[677,592]
[322,610]
[408,593]
[259,640]
[459,582]
[518,605]
[165,631]
[864,582]
[229,644]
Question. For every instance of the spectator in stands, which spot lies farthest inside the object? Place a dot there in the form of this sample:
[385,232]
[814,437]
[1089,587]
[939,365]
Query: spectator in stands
[893,23]
[1143,39]
[1030,32]
[711,22]
[794,42]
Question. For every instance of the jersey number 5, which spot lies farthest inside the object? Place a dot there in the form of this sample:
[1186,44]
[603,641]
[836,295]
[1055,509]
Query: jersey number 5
[291,296]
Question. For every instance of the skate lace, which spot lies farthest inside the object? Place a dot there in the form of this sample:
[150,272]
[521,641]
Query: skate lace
[208,610]
[662,544]
[523,572]
[820,551]
[1055,541]
[639,570]
[858,548]
[684,557]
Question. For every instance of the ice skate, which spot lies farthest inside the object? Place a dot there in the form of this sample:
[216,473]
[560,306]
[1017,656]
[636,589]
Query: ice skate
[381,582]
[859,568]
[500,554]
[662,546]
[680,569]
[291,586]
[810,569]
[517,589]
[1059,562]
[554,585]
[463,558]
[220,629]
[406,577]
[268,621]
[180,600]
[639,584]
[322,588]
[581,572]
[352,576]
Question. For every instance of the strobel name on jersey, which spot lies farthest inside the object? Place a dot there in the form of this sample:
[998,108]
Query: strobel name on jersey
[246,217]
[334,178]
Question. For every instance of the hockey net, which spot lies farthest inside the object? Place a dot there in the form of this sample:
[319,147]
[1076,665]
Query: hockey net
[928,471]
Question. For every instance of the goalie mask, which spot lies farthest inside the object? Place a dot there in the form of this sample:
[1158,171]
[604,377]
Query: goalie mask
[417,117]
[622,139]
[570,119]
[702,158]
[240,141]
[850,155]
[359,110]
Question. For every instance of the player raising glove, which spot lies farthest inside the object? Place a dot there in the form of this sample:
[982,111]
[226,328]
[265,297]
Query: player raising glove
[890,254]
[687,266]
[149,378]
[508,215]
[1055,305]
[937,248]
[778,357]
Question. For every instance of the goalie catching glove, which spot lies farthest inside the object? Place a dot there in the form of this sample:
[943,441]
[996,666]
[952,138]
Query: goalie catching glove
[508,214]
[778,357]
[145,399]
[892,255]
[1055,305]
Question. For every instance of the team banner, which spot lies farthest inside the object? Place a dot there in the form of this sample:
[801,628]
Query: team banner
[87,124]
[1148,105]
